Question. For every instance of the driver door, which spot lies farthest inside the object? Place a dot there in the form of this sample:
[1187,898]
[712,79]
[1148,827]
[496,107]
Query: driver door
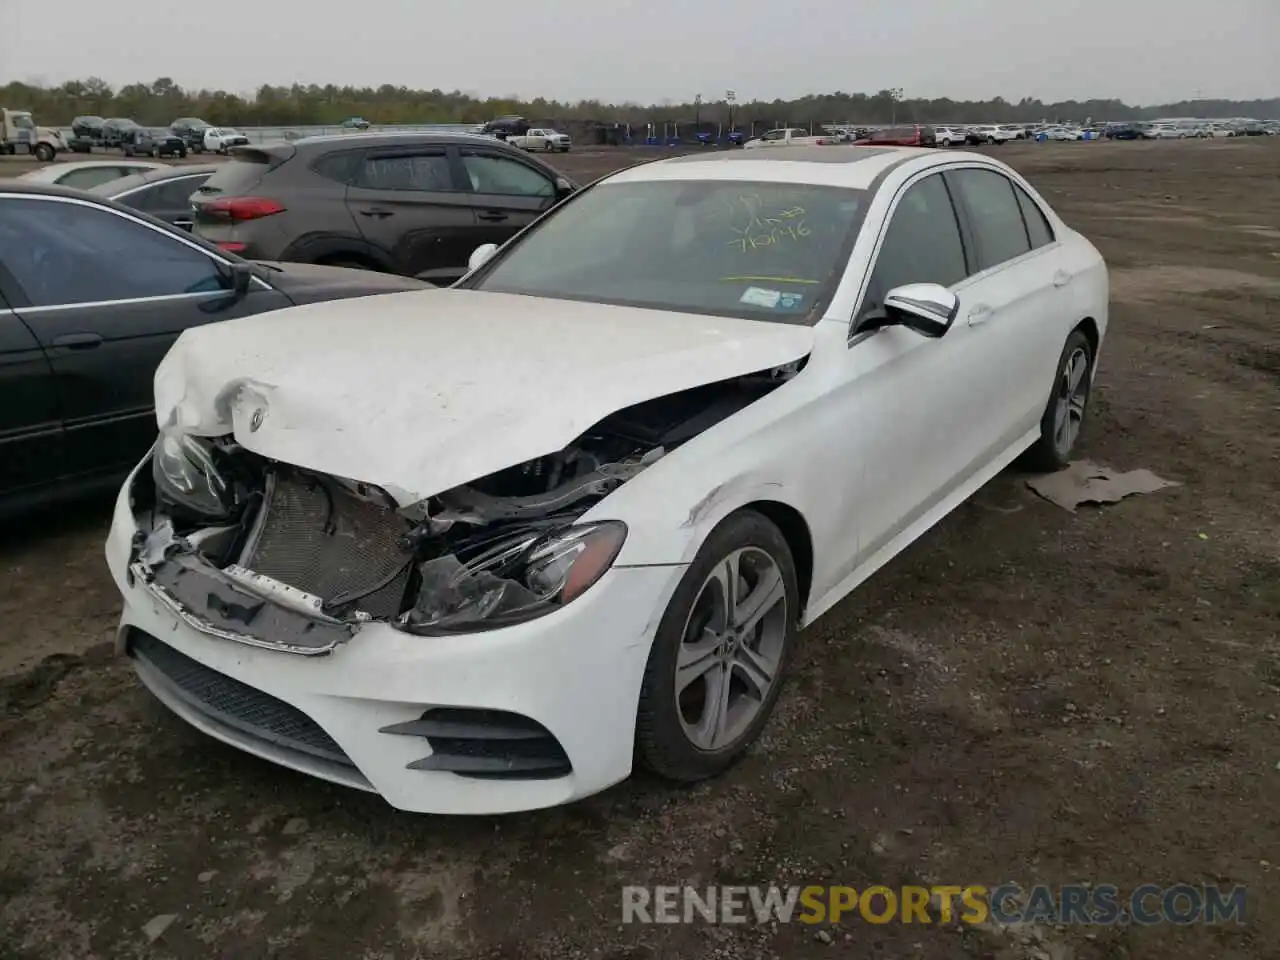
[914,396]
[106,295]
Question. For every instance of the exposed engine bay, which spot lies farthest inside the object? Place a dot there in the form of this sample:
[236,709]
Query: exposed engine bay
[233,533]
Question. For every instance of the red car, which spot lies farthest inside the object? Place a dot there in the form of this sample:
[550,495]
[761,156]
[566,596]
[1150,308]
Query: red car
[909,135]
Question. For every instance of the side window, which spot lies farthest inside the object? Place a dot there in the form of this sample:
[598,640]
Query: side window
[773,135]
[1037,226]
[993,208]
[427,171]
[341,167]
[922,244]
[501,175]
[87,177]
[66,253]
[175,194]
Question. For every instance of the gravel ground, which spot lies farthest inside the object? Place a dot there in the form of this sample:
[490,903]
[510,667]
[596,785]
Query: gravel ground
[1025,694]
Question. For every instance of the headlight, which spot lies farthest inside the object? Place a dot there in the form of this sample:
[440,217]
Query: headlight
[186,476]
[519,579]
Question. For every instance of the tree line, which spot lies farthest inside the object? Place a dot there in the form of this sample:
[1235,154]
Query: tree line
[160,102]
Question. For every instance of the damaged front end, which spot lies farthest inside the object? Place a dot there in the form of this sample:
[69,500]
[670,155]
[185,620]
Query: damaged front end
[250,549]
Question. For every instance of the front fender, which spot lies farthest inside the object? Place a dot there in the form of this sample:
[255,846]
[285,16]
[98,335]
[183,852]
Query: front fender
[661,534]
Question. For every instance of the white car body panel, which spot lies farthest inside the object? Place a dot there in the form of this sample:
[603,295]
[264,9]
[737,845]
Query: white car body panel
[877,438]
[464,374]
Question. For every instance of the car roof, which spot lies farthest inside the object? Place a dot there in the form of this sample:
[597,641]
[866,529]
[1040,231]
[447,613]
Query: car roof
[54,170]
[835,165]
[113,188]
[388,139]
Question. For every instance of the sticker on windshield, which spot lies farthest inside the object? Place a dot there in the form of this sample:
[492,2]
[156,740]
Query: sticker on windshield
[790,301]
[760,297]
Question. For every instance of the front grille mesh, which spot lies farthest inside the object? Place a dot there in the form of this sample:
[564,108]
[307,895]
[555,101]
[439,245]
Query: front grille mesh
[318,537]
[227,701]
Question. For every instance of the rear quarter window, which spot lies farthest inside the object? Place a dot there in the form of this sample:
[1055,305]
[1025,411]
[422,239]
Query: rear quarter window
[339,167]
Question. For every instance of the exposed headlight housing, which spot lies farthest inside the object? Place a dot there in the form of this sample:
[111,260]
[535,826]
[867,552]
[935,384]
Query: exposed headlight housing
[186,477]
[521,578]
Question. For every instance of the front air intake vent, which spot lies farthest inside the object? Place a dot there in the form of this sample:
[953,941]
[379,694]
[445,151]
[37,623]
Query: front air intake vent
[486,744]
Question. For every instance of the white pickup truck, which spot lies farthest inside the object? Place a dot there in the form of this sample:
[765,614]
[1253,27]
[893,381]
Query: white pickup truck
[222,139]
[789,137]
[541,138]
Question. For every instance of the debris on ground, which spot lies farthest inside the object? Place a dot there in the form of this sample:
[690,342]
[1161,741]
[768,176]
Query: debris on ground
[1087,482]
[157,925]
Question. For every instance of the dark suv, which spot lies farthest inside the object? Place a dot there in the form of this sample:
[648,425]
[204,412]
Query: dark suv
[413,204]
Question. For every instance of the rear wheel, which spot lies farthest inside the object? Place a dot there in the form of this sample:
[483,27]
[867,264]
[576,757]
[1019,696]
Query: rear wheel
[1068,402]
[720,653]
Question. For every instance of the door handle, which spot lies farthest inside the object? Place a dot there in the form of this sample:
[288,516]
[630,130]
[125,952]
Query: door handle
[378,212]
[184,224]
[1061,278]
[493,216]
[78,341]
[980,314]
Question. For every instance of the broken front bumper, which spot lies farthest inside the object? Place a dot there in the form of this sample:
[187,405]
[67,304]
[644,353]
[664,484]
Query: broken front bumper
[414,719]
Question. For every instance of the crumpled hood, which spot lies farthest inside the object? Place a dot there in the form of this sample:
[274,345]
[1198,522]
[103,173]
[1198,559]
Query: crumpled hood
[422,392]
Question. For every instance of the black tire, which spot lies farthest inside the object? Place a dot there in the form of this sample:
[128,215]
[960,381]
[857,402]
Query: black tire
[1047,454]
[662,746]
[550,147]
[44,152]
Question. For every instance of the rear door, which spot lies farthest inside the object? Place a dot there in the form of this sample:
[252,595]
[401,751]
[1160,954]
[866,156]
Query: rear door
[31,439]
[106,294]
[508,193]
[408,202]
[1015,304]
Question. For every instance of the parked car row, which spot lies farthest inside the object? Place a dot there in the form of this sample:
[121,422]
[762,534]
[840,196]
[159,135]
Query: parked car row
[185,135]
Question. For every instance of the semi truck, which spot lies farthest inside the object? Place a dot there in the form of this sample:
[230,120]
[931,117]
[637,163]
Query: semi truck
[19,133]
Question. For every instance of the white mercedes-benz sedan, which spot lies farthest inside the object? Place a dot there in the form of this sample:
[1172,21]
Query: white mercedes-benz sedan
[483,549]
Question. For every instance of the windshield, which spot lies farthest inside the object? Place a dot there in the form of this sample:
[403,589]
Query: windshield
[22,121]
[765,251]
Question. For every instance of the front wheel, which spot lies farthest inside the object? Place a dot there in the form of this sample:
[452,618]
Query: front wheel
[44,152]
[720,653]
[1068,403]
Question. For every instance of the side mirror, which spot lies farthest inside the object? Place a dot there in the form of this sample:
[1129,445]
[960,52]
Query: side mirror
[480,255]
[564,187]
[927,308]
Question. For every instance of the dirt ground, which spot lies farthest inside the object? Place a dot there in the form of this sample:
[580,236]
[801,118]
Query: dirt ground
[1026,694]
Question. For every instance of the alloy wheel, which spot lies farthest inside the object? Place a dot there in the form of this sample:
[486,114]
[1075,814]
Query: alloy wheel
[732,647]
[1072,397]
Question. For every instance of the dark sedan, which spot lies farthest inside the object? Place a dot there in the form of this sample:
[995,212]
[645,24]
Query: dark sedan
[164,193]
[92,295]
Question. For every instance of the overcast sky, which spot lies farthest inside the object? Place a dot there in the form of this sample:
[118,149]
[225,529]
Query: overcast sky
[1143,51]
